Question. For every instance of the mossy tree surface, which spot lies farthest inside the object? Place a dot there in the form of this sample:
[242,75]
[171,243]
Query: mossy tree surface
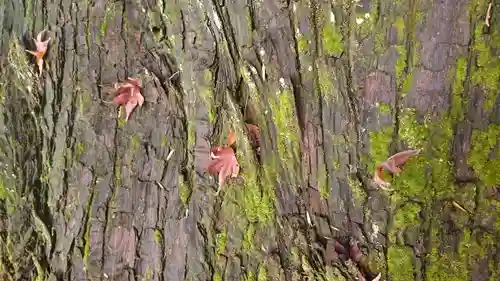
[334,87]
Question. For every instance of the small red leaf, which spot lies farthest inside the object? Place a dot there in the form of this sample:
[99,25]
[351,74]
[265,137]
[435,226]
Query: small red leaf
[224,163]
[129,95]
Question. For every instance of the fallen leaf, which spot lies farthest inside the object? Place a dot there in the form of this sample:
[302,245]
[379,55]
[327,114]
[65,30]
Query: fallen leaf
[41,49]
[224,163]
[129,94]
[254,133]
[391,165]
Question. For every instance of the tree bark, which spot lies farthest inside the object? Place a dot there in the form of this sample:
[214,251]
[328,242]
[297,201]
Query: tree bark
[335,87]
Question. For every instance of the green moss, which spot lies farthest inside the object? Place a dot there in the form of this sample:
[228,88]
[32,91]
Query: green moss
[262,275]
[383,108]
[482,144]
[117,172]
[407,83]
[220,242]
[486,72]
[287,130]
[158,236]
[324,188]
[332,40]
[449,266]
[217,276]
[184,192]
[121,117]
[108,14]
[399,24]
[164,141]
[258,206]
[250,276]
[191,133]
[458,105]
[357,189]
[401,263]
[86,236]
[302,44]
[135,142]
[400,66]
[407,216]
[412,132]
[248,237]
[379,144]
[380,42]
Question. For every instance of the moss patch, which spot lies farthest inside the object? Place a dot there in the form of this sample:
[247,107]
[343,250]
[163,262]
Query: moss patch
[401,263]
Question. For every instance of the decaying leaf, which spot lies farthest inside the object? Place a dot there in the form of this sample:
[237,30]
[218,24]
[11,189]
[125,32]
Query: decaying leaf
[41,49]
[391,165]
[254,133]
[128,94]
[224,163]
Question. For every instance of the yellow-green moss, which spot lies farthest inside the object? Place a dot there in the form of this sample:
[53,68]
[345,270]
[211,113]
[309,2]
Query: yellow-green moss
[302,44]
[248,237]
[379,144]
[108,14]
[400,66]
[324,188]
[482,143]
[287,130]
[184,192]
[399,24]
[400,263]
[217,276]
[332,39]
[383,108]
[258,206]
[262,275]
[135,142]
[191,132]
[158,236]
[458,106]
[250,276]
[220,242]
[486,74]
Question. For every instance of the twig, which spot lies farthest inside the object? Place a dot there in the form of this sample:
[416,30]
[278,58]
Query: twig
[458,206]
[488,15]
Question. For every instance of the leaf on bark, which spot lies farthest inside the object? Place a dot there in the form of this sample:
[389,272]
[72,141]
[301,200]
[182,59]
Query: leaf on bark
[224,163]
[129,95]
[391,165]
[254,133]
[41,49]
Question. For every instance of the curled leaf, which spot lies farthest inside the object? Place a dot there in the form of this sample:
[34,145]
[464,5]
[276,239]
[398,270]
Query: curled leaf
[254,134]
[41,49]
[391,165]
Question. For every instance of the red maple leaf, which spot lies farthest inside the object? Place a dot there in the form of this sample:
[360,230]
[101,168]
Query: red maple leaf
[129,95]
[391,165]
[224,163]
[41,49]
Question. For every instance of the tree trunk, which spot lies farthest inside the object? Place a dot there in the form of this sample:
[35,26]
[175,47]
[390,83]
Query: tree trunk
[335,88]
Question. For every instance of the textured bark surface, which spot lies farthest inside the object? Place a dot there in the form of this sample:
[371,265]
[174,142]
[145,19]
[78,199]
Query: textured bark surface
[335,88]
